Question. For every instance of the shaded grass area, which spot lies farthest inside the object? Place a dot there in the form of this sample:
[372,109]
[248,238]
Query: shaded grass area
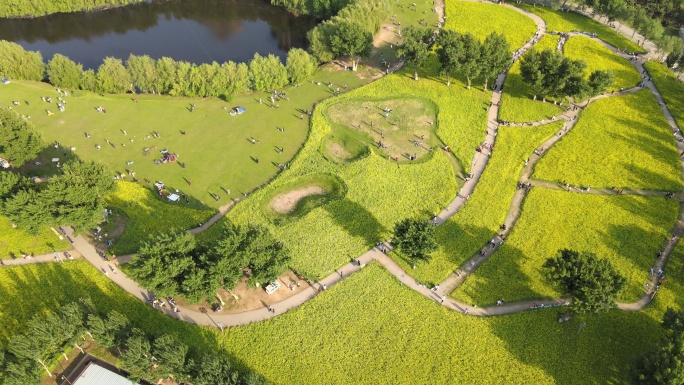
[627,230]
[369,324]
[479,220]
[379,192]
[670,88]
[557,21]
[481,19]
[147,215]
[621,141]
[517,104]
[16,241]
[215,149]
[599,57]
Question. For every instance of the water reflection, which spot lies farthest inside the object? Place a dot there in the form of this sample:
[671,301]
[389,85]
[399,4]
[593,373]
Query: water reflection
[198,31]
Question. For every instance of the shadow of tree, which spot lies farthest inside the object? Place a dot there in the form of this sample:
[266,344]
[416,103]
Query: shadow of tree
[356,220]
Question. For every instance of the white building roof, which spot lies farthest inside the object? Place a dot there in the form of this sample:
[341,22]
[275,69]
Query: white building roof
[95,374]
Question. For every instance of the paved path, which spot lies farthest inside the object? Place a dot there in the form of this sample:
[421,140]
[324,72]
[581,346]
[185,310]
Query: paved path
[439,295]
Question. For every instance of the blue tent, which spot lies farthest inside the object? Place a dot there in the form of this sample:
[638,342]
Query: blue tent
[239,110]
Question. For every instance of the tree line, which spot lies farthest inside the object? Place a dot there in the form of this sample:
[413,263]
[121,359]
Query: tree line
[164,76]
[174,264]
[29,355]
[30,8]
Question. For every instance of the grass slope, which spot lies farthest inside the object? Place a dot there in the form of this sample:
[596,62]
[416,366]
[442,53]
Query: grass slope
[671,89]
[619,141]
[370,327]
[15,241]
[557,21]
[628,230]
[147,214]
[598,57]
[517,104]
[215,149]
[481,19]
[472,227]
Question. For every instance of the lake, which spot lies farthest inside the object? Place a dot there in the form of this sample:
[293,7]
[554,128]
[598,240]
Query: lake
[197,31]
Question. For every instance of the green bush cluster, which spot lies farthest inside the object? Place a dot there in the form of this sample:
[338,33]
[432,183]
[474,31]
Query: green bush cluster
[30,8]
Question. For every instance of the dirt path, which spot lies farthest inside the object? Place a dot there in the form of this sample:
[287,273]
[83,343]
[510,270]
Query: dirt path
[285,203]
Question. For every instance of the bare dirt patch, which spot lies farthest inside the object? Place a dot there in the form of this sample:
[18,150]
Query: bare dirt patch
[339,151]
[285,203]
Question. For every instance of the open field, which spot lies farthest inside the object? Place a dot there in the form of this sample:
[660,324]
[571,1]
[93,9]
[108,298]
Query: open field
[479,220]
[671,89]
[147,215]
[628,230]
[481,19]
[215,149]
[557,21]
[17,242]
[517,104]
[621,142]
[599,57]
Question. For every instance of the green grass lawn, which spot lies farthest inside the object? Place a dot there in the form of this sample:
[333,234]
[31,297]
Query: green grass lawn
[481,19]
[598,57]
[628,230]
[479,220]
[517,104]
[370,326]
[146,214]
[670,88]
[570,21]
[17,242]
[215,148]
[621,141]
[379,192]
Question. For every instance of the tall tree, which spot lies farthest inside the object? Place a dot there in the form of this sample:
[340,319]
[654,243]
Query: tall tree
[495,57]
[19,141]
[211,369]
[415,238]
[599,81]
[450,46]
[593,283]
[112,76]
[665,364]
[17,63]
[64,72]
[469,60]
[531,71]
[350,38]
[416,47]
[300,65]
[267,73]
[137,355]
[142,71]
[170,355]
[611,9]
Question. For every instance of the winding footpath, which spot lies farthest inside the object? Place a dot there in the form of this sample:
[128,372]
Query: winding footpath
[480,161]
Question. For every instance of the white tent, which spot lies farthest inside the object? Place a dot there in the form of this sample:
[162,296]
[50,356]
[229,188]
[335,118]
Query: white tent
[174,197]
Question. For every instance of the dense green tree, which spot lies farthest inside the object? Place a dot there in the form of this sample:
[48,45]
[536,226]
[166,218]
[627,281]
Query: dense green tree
[416,47]
[170,355]
[450,46]
[593,283]
[136,357]
[142,71]
[237,77]
[112,76]
[17,63]
[10,183]
[350,38]
[267,73]
[19,141]
[415,238]
[665,364]
[88,81]
[611,9]
[166,75]
[531,71]
[319,42]
[599,81]
[163,261]
[211,369]
[64,72]
[109,332]
[469,60]
[26,210]
[495,57]
[300,65]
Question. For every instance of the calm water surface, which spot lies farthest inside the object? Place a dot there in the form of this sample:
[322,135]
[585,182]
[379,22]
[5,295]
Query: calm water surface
[198,31]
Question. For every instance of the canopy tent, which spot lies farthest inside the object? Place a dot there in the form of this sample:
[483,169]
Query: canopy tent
[174,197]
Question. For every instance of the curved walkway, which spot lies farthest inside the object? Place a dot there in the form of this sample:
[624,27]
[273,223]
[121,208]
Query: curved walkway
[479,163]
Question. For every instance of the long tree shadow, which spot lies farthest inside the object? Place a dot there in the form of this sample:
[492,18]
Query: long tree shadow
[356,220]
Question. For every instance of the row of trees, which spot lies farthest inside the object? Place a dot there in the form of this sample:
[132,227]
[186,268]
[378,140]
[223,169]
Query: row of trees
[665,364]
[350,31]
[549,73]
[165,75]
[72,198]
[29,354]
[26,8]
[173,263]
[321,9]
